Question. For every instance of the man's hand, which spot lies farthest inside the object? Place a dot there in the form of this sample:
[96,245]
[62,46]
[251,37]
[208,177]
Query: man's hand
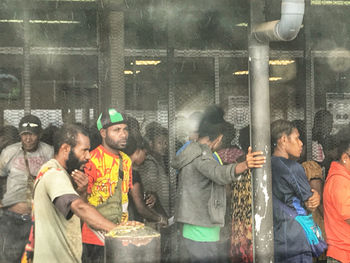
[150,200]
[81,179]
[314,201]
[255,159]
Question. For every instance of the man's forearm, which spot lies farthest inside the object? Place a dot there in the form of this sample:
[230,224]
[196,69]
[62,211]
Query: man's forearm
[91,216]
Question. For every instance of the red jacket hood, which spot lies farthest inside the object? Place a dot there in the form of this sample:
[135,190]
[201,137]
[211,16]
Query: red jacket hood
[337,169]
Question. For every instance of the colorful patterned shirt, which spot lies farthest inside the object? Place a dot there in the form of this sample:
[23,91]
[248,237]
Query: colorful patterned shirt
[104,173]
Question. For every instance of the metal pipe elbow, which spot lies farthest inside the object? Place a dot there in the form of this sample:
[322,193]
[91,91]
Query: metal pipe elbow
[285,29]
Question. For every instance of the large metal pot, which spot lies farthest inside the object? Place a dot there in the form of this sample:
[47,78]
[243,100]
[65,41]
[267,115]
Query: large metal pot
[132,242]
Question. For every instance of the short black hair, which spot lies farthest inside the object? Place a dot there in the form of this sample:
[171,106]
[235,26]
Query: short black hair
[68,133]
[47,134]
[229,135]
[212,122]
[134,143]
[154,130]
[211,130]
[278,128]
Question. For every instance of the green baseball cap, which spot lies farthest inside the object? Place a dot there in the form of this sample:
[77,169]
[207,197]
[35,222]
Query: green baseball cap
[109,118]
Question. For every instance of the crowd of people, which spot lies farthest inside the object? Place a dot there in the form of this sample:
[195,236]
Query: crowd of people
[62,188]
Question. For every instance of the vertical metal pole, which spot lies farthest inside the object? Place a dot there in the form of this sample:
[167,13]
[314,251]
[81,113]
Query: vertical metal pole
[217,80]
[26,60]
[84,91]
[134,85]
[100,64]
[116,42]
[260,139]
[310,103]
[170,20]
[310,89]
[172,129]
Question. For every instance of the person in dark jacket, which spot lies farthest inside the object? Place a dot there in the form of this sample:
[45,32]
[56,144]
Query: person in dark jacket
[290,189]
[201,198]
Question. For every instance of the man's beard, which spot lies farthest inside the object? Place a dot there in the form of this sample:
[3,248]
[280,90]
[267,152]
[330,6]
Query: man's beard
[73,162]
[113,145]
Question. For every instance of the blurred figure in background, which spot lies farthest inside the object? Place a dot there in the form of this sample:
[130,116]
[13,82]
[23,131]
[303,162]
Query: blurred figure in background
[193,124]
[153,172]
[140,204]
[155,178]
[20,163]
[229,152]
[95,137]
[321,139]
[8,135]
[48,133]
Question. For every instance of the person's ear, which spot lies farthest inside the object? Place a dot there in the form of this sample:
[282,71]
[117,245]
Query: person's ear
[65,148]
[283,140]
[344,158]
[103,133]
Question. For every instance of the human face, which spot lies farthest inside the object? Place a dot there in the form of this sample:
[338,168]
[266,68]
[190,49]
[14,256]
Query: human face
[160,145]
[294,145]
[30,141]
[79,155]
[116,136]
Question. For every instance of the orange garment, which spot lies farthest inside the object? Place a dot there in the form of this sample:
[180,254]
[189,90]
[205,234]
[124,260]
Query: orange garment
[103,172]
[336,202]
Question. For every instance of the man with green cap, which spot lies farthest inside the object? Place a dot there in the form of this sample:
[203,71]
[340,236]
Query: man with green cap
[110,178]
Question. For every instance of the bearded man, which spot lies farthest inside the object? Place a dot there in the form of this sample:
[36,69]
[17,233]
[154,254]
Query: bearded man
[58,206]
[110,178]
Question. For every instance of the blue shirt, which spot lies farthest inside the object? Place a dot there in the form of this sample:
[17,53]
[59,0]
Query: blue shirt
[290,186]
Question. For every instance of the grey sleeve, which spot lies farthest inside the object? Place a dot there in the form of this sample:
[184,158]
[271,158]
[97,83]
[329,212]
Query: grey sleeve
[220,174]
[63,202]
[3,163]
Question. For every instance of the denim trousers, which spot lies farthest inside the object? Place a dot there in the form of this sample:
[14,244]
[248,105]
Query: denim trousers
[14,234]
